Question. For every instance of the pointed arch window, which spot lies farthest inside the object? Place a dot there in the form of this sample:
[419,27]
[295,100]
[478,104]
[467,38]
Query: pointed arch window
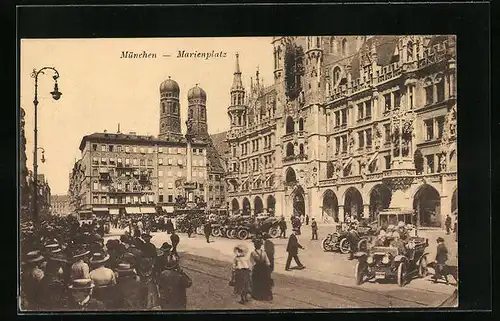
[344,46]
[336,75]
[318,42]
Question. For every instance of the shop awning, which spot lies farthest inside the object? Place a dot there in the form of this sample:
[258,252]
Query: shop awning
[114,211]
[168,209]
[100,209]
[133,210]
[148,210]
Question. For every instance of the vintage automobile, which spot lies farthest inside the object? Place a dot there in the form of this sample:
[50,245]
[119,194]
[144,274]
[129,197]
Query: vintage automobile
[391,262]
[268,224]
[338,241]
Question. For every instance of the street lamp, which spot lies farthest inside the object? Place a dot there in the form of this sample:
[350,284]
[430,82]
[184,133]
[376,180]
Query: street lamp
[56,95]
[43,154]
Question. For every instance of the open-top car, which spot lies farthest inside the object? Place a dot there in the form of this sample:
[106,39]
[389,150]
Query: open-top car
[393,262]
[339,240]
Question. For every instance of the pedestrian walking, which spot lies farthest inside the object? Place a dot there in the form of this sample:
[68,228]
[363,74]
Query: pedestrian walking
[189,228]
[172,285]
[314,228]
[307,219]
[240,278]
[282,226]
[174,239]
[169,226]
[207,229]
[455,227]
[261,273]
[441,258]
[447,223]
[148,248]
[293,248]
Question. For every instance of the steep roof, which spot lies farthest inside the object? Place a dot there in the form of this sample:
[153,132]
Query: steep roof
[217,148]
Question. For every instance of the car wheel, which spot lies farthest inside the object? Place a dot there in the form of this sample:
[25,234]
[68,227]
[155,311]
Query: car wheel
[228,233]
[325,244]
[422,267]
[344,246]
[216,232]
[273,232]
[402,274]
[233,234]
[243,234]
[359,272]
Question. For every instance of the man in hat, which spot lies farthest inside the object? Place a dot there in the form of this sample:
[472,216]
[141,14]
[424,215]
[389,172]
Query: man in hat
[162,253]
[172,285]
[174,238]
[80,269]
[81,296]
[207,229]
[282,226]
[314,228]
[52,287]
[293,248]
[402,231]
[148,249]
[32,274]
[381,239]
[129,292]
[441,258]
[102,277]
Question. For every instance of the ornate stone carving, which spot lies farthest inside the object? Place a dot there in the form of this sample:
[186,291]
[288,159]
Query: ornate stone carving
[377,135]
[398,183]
[351,142]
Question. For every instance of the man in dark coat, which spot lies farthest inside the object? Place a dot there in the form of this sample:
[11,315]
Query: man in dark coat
[282,225]
[81,297]
[441,258]
[314,228]
[307,219]
[169,226]
[293,248]
[207,229]
[172,285]
[129,292]
[174,239]
[447,223]
[148,248]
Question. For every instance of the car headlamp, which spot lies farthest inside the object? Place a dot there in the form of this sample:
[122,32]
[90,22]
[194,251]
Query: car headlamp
[369,260]
[385,259]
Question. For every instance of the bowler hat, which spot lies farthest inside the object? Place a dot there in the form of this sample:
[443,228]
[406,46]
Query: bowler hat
[440,239]
[81,284]
[166,247]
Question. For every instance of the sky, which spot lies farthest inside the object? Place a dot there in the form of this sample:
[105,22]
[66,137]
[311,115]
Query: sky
[101,90]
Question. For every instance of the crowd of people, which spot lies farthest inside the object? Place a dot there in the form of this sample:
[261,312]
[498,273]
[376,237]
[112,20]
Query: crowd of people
[69,267]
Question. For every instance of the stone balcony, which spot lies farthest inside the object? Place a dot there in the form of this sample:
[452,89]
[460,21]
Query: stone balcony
[294,158]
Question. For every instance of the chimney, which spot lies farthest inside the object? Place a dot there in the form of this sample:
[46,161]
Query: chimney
[118,132]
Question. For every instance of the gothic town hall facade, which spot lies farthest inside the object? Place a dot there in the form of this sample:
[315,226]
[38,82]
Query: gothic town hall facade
[350,126]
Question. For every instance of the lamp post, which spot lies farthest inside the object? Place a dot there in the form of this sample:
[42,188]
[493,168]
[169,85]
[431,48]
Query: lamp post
[56,94]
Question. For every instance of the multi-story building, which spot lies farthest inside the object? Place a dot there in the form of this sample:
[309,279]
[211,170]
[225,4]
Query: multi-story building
[350,126]
[24,192]
[129,173]
[60,205]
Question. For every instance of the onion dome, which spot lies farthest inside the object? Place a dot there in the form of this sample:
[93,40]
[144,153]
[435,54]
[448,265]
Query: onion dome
[169,85]
[197,93]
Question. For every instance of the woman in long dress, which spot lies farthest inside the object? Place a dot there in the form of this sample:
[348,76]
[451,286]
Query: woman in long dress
[261,273]
[241,273]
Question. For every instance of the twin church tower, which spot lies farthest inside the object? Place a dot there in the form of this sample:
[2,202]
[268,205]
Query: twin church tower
[170,111]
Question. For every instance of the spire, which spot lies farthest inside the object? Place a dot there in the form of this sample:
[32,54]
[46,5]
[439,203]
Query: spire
[257,79]
[237,83]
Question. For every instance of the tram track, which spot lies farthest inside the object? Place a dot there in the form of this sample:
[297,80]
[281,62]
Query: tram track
[361,297]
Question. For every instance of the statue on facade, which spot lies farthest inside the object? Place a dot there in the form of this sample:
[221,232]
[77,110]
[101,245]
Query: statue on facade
[351,142]
[377,135]
[443,162]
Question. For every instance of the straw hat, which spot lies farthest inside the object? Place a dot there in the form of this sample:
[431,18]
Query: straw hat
[401,224]
[99,258]
[33,257]
[241,248]
[124,269]
[53,248]
[81,284]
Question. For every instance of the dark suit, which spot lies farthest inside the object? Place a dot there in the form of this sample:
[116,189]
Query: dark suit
[174,239]
[314,227]
[293,248]
[208,230]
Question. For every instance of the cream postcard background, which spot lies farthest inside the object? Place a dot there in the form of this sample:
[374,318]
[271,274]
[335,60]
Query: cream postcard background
[101,90]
